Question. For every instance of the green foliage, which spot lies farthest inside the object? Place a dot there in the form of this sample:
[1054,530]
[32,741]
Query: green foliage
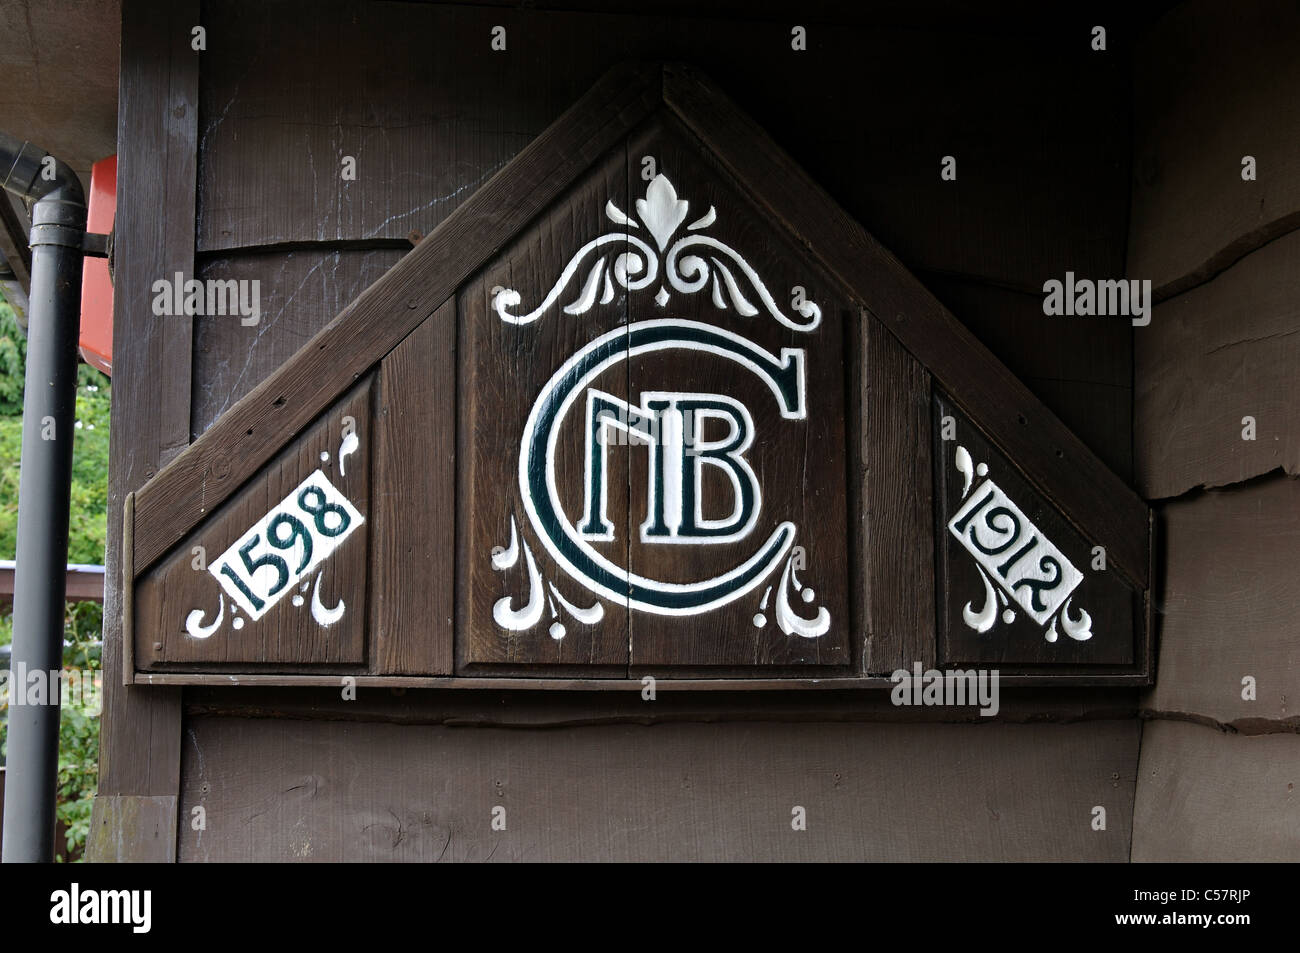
[82,697]
[79,718]
[13,358]
[88,525]
[79,724]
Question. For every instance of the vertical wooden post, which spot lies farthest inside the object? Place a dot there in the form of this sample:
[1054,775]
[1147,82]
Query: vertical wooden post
[140,732]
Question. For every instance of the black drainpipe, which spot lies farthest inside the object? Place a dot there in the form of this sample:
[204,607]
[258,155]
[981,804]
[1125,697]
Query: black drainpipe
[58,210]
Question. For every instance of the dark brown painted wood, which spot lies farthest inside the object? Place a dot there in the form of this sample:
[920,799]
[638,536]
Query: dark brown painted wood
[505,367]
[366,330]
[1211,796]
[574,709]
[413,521]
[1214,355]
[252,431]
[897,522]
[302,790]
[1053,458]
[1213,84]
[301,291]
[1080,367]
[1227,603]
[800,465]
[287,633]
[586,683]
[157,134]
[1015,642]
[413,92]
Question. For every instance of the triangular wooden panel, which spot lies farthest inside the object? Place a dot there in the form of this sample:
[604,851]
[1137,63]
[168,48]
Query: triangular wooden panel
[650,403]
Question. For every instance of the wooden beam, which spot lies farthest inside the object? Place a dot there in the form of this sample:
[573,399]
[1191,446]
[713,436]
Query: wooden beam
[13,242]
[635,684]
[158,137]
[83,583]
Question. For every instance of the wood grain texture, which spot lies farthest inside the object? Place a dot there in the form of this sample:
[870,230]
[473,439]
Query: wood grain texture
[1227,607]
[321,791]
[287,633]
[1213,83]
[132,830]
[157,135]
[571,709]
[1119,630]
[1208,796]
[800,465]
[413,92]
[413,516]
[896,538]
[1212,356]
[300,292]
[505,368]
[1081,368]
[253,430]
[1053,458]
[14,241]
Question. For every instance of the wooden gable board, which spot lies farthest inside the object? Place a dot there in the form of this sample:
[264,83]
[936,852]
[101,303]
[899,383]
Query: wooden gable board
[877,463]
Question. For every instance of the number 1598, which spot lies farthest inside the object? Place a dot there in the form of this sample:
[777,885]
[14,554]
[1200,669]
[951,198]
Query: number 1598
[286,544]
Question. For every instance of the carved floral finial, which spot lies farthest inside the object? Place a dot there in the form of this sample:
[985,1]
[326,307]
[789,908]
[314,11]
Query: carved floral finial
[715,265]
[661,210]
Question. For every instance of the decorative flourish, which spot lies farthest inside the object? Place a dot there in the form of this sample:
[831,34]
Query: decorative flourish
[790,623]
[351,442]
[279,555]
[984,619]
[193,621]
[1014,558]
[323,616]
[524,618]
[715,265]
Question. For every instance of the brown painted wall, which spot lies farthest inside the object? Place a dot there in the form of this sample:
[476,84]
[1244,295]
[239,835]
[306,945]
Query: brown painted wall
[414,94]
[1219,772]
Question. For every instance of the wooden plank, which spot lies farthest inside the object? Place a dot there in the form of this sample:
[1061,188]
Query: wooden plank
[897,535]
[252,431]
[1081,368]
[798,466]
[1053,458]
[300,291]
[413,514]
[570,709]
[287,790]
[132,830]
[505,367]
[1228,607]
[1208,796]
[295,622]
[13,242]
[415,95]
[1198,110]
[1016,566]
[1212,356]
[80,582]
[586,683]
[157,133]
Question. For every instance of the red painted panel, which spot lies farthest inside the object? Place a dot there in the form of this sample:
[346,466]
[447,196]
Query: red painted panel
[96,286]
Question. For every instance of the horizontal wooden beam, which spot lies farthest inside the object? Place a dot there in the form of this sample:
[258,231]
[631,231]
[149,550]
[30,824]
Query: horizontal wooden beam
[605,684]
[84,583]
